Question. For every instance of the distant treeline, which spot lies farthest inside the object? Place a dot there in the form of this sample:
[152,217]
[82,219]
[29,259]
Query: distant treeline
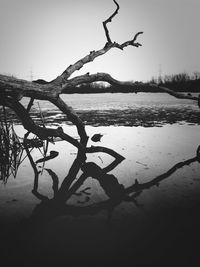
[181,82]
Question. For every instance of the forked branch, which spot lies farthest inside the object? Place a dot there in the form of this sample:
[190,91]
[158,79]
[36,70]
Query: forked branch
[63,78]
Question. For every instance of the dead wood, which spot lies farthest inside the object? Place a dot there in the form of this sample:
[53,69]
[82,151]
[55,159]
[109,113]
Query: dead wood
[12,90]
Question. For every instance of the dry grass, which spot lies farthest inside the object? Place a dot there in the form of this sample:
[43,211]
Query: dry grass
[10,149]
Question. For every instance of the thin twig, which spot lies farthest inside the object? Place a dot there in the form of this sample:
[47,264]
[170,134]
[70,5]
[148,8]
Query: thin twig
[109,20]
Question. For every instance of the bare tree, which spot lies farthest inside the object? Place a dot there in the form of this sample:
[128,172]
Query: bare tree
[12,90]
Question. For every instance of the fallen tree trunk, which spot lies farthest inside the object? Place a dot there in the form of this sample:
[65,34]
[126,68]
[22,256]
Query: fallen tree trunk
[12,90]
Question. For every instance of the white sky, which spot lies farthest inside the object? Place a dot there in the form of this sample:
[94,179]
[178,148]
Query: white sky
[48,35]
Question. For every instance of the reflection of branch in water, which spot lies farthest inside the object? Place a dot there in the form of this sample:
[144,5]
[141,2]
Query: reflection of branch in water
[128,194]
[68,186]
[138,187]
[115,191]
[108,182]
[67,189]
[118,158]
[53,154]
[36,172]
[55,180]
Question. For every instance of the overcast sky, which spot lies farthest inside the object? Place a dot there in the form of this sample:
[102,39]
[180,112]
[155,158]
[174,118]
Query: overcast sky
[45,36]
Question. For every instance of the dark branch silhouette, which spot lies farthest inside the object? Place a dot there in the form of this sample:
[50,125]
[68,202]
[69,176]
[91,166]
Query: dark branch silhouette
[115,191]
[12,90]
[109,20]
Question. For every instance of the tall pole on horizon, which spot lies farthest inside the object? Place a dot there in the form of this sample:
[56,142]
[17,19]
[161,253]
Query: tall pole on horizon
[160,73]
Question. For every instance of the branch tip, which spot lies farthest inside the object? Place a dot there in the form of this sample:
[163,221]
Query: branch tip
[109,20]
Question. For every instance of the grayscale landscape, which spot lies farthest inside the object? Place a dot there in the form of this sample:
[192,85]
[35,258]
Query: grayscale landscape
[98,169]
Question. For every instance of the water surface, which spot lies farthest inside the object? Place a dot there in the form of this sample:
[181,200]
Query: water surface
[142,109]
[159,225]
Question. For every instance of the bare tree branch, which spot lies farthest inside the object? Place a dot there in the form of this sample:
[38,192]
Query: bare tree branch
[30,126]
[173,93]
[73,117]
[131,42]
[19,88]
[99,76]
[105,77]
[62,79]
[24,88]
[16,89]
[109,20]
